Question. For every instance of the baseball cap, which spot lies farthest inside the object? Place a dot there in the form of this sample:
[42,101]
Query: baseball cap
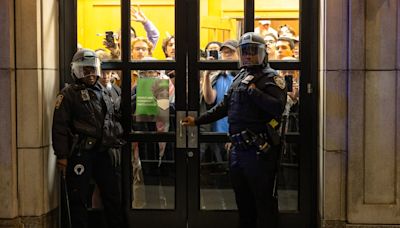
[231,44]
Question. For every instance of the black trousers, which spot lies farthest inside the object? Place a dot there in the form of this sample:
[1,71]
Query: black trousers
[253,178]
[81,168]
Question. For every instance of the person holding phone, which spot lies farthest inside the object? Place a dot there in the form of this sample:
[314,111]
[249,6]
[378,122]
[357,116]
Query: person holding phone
[215,85]
[112,43]
[254,105]
[212,47]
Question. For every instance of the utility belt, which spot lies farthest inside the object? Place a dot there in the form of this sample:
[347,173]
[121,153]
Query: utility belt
[81,143]
[246,139]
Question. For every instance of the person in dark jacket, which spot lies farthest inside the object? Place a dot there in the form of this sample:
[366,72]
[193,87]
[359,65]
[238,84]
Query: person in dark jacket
[85,133]
[254,105]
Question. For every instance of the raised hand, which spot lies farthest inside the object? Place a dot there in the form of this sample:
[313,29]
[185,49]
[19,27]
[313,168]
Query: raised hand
[138,15]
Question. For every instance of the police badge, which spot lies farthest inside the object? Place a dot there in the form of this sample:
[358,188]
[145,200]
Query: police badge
[85,95]
[247,79]
[280,82]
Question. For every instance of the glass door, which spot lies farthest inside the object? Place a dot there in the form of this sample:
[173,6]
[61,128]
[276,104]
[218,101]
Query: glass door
[163,54]
[288,33]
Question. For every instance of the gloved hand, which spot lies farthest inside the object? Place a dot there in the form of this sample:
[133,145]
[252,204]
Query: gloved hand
[62,166]
[115,156]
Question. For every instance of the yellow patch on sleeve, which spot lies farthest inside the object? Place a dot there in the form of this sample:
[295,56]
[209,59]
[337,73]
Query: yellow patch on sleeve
[273,123]
[59,100]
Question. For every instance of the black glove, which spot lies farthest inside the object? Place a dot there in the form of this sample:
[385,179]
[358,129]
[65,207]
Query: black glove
[115,156]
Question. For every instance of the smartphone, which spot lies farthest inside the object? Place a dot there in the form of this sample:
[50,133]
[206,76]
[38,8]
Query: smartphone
[110,37]
[213,53]
[289,82]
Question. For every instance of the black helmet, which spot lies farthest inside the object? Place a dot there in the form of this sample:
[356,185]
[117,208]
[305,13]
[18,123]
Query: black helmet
[251,50]
[84,58]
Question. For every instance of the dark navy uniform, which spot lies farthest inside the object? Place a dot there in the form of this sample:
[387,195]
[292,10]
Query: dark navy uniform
[250,112]
[85,131]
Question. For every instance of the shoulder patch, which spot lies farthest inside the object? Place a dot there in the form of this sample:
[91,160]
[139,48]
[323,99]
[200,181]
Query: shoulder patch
[279,81]
[59,100]
[85,95]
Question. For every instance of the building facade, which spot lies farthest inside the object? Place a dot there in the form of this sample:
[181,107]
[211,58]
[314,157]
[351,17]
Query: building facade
[359,61]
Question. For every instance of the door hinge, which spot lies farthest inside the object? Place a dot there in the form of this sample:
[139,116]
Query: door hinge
[309,88]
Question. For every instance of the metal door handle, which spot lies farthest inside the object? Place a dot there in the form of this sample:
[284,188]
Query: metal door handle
[181,130]
[192,130]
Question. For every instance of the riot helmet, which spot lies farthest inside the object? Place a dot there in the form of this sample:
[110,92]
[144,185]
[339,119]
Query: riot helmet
[85,63]
[251,50]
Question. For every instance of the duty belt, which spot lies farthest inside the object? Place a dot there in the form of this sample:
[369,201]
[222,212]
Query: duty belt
[247,138]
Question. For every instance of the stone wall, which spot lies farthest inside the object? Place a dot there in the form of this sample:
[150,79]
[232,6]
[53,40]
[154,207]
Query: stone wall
[359,70]
[360,58]
[29,83]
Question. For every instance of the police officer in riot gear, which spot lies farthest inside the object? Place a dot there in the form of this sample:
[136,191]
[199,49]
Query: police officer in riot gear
[254,105]
[85,134]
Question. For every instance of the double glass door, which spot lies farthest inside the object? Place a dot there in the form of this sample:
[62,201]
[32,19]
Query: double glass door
[164,54]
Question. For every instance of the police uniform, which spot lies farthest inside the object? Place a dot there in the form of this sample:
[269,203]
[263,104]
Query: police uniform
[85,131]
[253,116]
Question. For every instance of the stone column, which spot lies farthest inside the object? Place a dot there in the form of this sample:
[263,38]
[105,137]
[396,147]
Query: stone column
[29,88]
[333,77]
[359,158]
[373,129]
[8,159]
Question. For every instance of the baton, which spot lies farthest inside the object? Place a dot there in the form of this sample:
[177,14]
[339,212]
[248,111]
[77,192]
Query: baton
[282,150]
[64,192]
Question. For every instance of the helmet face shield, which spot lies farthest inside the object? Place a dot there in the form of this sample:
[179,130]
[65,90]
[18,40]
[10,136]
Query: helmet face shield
[85,63]
[251,54]
[82,70]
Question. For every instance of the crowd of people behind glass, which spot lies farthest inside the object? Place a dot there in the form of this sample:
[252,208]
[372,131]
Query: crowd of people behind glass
[282,44]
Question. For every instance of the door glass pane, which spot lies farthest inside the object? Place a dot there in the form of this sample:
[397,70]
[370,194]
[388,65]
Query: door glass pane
[292,79]
[288,178]
[215,187]
[153,175]
[153,163]
[220,20]
[99,27]
[278,22]
[152,30]
[153,101]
